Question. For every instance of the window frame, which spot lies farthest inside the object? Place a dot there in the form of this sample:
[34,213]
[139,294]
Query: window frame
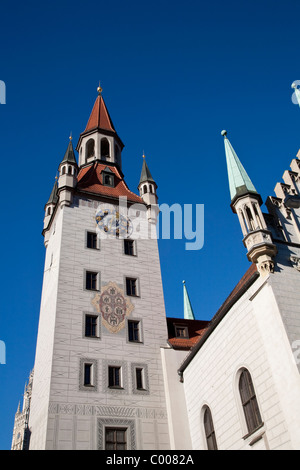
[97,244]
[253,419]
[209,429]
[96,327]
[97,280]
[133,246]
[184,328]
[138,330]
[136,287]
[113,378]
[115,444]
[92,384]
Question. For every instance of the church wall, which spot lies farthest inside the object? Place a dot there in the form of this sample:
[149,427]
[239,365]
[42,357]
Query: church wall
[78,415]
[211,377]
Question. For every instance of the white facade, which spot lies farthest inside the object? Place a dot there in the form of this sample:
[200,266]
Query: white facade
[66,411]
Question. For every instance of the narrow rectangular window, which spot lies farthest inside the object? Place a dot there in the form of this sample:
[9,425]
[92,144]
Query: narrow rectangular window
[131,287]
[115,439]
[91,280]
[91,326]
[114,377]
[133,331]
[129,247]
[87,378]
[91,240]
[139,376]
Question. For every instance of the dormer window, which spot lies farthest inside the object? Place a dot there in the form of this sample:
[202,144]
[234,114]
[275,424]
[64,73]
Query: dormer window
[181,331]
[108,178]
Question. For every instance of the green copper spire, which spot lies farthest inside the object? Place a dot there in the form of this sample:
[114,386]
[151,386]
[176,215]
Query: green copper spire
[187,307]
[239,181]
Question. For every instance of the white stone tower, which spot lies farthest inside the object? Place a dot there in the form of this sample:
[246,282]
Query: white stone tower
[98,380]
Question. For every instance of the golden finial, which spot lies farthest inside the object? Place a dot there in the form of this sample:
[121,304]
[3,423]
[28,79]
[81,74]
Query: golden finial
[144,156]
[70,137]
[99,89]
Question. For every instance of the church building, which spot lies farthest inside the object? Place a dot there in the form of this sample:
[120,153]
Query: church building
[112,371]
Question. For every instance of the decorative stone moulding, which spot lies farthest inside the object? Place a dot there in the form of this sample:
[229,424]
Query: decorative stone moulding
[266,266]
[261,250]
[257,237]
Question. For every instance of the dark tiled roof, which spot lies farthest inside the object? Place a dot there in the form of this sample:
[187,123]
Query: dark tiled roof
[196,329]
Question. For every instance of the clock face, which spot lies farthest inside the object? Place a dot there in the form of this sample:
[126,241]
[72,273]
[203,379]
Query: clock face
[112,223]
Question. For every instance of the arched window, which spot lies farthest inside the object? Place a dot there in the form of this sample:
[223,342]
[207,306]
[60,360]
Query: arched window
[63,171]
[250,219]
[49,211]
[104,149]
[258,221]
[90,149]
[69,170]
[249,401]
[209,430]
[145,189]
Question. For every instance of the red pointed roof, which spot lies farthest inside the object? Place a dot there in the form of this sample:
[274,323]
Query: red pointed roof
[90,180]
[100,117]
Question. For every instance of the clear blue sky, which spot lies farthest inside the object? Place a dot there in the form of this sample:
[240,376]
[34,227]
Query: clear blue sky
[174,74]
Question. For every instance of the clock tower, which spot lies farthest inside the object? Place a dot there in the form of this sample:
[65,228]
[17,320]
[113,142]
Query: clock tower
[98,379]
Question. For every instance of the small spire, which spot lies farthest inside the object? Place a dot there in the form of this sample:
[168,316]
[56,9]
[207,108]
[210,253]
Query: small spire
[187,306]
[53,196]
[145,174]
[69,155]
[239,181]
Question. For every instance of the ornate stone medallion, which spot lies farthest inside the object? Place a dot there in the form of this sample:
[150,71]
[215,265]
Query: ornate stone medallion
[113,306]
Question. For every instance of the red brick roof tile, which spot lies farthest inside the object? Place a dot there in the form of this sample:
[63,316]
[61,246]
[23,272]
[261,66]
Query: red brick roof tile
[90,180]
[99,117]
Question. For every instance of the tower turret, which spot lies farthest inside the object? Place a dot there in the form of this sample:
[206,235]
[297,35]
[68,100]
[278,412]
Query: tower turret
[147,189]
[246,202]
[99,141]
[50,205]
[67,180]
